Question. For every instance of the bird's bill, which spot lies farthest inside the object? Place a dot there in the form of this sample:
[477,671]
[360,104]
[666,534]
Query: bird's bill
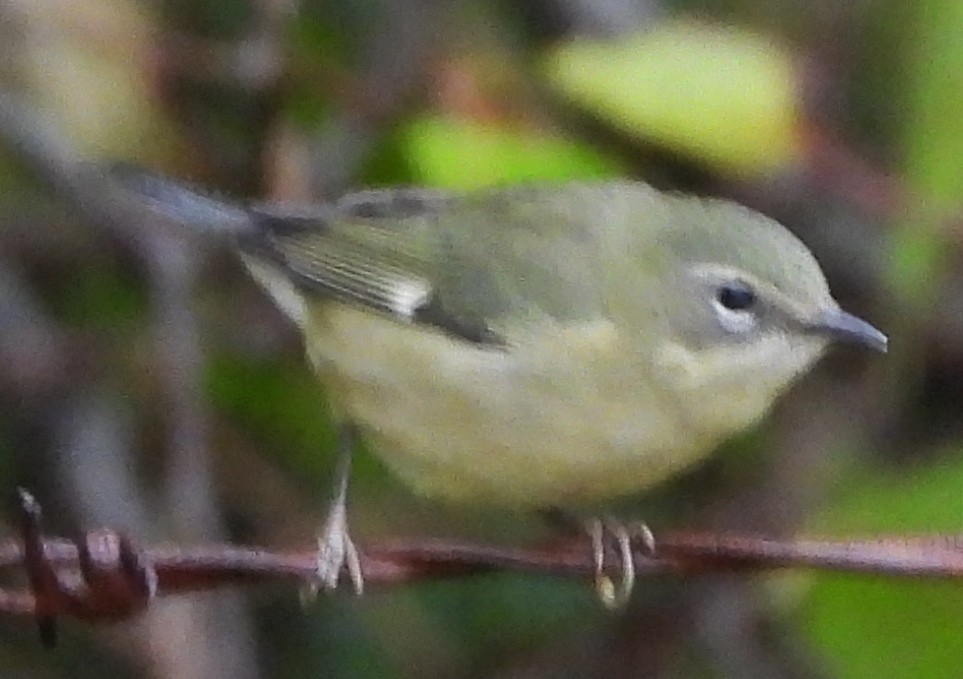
[841,326]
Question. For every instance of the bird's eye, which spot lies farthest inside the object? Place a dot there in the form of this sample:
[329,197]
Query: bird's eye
[736,296]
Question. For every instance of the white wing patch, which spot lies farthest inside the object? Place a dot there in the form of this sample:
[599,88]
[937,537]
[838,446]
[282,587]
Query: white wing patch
[407,296]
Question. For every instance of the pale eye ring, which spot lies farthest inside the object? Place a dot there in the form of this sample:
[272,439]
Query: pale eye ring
[735,296]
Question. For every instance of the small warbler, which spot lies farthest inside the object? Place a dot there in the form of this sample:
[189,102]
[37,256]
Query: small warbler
[535,346]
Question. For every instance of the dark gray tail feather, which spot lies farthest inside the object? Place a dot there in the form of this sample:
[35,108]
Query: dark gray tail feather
[179,202]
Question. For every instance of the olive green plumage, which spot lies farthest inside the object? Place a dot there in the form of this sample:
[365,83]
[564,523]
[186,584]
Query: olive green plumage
[541,345]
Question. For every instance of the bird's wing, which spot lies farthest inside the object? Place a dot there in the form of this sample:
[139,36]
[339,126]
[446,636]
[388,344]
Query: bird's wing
[483,267]
[476,266]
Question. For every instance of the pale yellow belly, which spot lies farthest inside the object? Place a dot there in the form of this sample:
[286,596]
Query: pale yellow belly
[561,420]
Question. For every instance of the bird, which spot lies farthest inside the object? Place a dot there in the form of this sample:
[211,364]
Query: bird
[534,346]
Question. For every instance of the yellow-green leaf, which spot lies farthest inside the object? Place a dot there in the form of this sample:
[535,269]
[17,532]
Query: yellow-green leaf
[465,154]
[723,95]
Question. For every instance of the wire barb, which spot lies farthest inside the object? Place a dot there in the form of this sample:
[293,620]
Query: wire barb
[102,576]
[115,579]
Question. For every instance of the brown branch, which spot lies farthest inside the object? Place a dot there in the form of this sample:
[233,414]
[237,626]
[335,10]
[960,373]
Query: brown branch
[102,576]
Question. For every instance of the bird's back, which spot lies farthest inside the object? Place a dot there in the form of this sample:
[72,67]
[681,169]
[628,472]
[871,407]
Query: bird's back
[479,266]
[480,354]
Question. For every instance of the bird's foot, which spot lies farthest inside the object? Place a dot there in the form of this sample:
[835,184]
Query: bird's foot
[606,532]
[337,553]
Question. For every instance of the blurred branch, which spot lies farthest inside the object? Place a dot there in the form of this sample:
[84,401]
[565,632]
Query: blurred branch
[33,353]
[557,18]
[39,143]
[52,159]
[836,169]
[103,576]
[394,57]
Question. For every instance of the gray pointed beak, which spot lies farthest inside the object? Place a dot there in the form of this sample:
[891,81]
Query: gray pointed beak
[841,326]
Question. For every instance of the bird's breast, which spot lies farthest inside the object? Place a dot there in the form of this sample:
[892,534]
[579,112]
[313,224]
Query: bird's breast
[563,417]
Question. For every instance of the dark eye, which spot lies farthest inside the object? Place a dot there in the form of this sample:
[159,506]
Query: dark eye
[736,296]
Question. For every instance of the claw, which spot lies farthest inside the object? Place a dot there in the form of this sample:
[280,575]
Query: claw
[336,551]
[614,596]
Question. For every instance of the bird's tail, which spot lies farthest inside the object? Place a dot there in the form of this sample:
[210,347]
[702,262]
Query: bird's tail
[179,202]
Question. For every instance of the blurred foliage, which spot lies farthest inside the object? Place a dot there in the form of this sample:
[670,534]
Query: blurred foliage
[282,407]
[437,149]
[723,96]
[874,628]
[871,629]
[933,142]
[841,119]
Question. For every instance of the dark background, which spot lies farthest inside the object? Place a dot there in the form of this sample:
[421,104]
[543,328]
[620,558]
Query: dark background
[147,384]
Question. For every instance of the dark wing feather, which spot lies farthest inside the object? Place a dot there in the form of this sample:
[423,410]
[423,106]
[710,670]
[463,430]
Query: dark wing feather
[372,249]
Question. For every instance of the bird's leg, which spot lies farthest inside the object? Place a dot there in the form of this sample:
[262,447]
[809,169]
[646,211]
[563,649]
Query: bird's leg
[336,550]
[607,532]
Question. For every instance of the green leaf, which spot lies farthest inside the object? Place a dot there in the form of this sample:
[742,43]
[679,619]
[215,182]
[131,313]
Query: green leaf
[722,95]
[463,154]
